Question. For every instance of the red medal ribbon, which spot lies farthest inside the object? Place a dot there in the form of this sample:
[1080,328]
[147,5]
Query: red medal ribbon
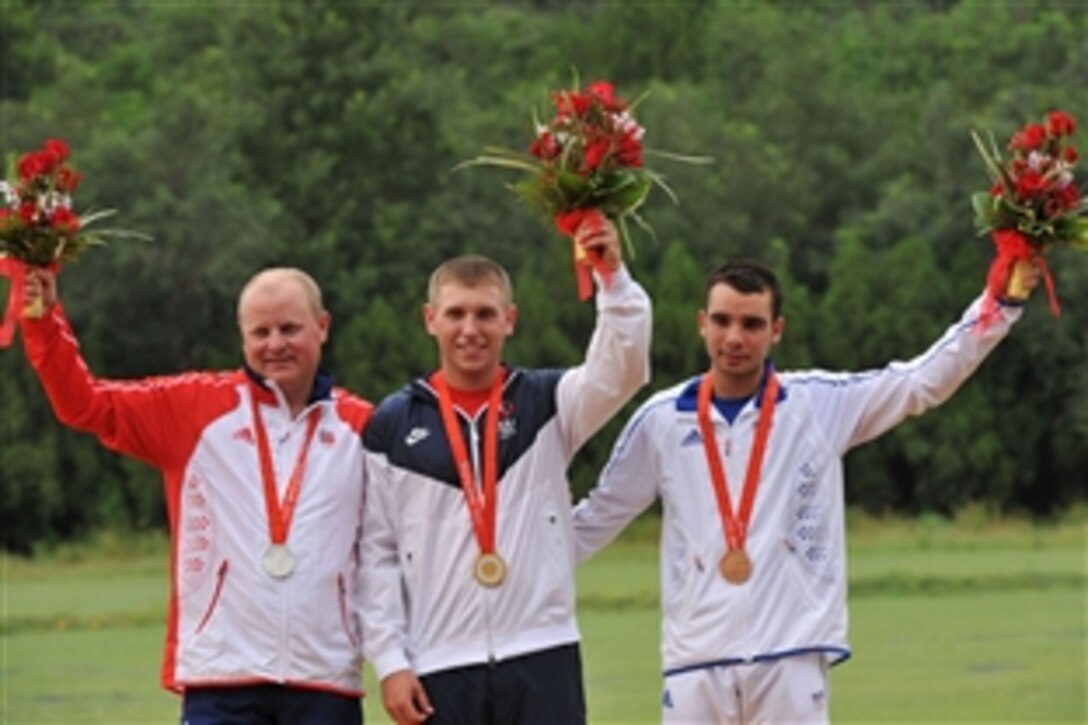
[481,506]
[281,515]
[736,526]
[568,222]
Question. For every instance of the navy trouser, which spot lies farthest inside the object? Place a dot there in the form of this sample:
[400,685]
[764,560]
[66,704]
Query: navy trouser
[542,688]
[268,705]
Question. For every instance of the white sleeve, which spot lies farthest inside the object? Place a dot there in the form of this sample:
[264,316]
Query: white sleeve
[857,407]
[382,610]
[617,361]
[626,487]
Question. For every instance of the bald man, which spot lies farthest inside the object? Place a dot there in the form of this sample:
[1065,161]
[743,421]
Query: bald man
[263,475]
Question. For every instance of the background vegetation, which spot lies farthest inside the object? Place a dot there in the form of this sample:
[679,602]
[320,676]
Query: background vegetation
[322,134]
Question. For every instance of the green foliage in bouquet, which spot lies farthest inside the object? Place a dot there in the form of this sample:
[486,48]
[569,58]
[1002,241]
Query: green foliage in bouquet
[38,224]
[1033,191]
[588,155]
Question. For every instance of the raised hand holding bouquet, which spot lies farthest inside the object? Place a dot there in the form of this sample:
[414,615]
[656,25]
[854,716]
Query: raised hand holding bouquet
[587,160]
[1032,206]
[39,226]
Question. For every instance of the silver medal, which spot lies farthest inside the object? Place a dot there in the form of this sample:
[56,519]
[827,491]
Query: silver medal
[278,561]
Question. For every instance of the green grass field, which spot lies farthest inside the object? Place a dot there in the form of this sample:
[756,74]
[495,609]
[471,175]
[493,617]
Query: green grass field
[972,621]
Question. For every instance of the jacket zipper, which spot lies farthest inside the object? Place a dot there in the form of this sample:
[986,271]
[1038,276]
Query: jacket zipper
[478,475]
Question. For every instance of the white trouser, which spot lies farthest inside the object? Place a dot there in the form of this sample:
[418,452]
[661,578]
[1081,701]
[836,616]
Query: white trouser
[787,690]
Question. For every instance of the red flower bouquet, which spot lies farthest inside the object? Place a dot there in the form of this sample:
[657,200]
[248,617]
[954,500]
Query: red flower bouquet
[38,224]
[1033,204]
[586,160]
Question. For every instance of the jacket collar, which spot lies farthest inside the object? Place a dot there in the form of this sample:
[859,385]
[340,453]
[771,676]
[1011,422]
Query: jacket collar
[265,390]
[422,387]
[688,400]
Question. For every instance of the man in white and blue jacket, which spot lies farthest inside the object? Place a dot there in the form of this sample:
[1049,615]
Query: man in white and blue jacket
[753,587]
[468,559]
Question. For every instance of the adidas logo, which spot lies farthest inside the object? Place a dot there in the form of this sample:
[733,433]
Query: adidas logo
[692,439]
[243,434]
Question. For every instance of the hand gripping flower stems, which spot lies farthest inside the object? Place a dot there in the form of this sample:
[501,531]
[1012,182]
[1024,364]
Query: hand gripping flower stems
[585,161]
[39,226]
[1032,206]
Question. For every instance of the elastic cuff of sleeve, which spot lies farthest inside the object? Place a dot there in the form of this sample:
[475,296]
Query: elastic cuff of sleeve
[618,282]
[388,663]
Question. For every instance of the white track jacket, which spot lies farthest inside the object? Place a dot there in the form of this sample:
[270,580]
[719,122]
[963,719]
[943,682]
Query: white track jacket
[230,623]
[795,601]
[423,610]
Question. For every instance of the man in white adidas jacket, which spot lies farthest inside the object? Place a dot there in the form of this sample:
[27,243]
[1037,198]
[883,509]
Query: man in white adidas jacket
[754,586]
[468,551]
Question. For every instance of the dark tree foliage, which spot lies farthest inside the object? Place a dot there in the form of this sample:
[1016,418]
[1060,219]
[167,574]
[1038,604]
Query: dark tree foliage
[324,134]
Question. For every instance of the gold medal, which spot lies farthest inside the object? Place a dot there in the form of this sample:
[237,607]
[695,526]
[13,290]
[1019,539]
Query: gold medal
[490,570]
[482,501]
[735,567]
[278,561]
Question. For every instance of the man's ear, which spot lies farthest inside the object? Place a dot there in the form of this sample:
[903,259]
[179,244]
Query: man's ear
[511,318]
[778,327]
[700,323]
[428,318]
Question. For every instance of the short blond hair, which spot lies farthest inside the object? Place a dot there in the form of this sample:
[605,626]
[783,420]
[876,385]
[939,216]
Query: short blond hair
[276,276]
[470,270]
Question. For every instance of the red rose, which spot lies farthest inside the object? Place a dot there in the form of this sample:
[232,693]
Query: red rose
[28,210]
[1030,184]
[4,216]
[64,219]
[1030,138]
[68,179]
[1068,196]
[572,103]
[1070,155]
[596,152]
[57,147]
[30,165]
[56,150]
[604,92]
[630,150]
[544,147]
[48,162]
[997,189]
[1060,123]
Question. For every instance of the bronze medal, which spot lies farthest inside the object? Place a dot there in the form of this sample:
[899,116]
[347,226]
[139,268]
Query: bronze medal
[735,567]
[490,570]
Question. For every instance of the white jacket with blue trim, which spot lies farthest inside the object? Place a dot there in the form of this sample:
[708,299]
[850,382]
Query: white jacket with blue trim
[795,601]
[422,608]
